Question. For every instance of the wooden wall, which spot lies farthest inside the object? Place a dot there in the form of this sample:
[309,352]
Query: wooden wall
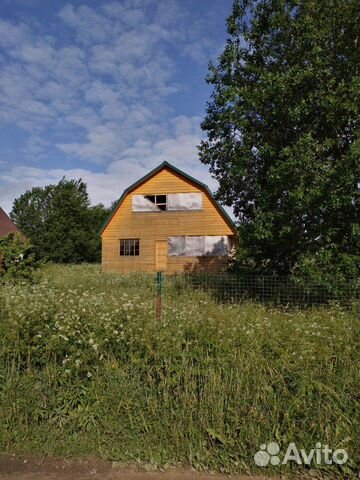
[150,227]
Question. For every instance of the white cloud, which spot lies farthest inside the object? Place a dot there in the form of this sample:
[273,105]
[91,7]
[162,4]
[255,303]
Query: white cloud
[102,142]
[35,146]
[129,165]
[90,26]
[96,82]
[46,84]
[12,35]
[129,16]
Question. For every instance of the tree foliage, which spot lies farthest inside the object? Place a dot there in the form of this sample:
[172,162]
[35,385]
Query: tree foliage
[60,223]
[283,133]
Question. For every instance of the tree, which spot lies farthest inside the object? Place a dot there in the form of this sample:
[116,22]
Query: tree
[283,133]
[30,213]
[59,221]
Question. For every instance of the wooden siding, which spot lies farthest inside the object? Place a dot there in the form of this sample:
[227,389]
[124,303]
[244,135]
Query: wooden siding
[152,227]
[161,255]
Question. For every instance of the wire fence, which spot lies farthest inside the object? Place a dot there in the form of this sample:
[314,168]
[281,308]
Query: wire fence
[278,291]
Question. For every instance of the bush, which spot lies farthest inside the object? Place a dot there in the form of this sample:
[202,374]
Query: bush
[327,266]
[17,262]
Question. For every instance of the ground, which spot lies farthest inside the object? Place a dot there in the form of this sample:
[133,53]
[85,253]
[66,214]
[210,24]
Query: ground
[14,467]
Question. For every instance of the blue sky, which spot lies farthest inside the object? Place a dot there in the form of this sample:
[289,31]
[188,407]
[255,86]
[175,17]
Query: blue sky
[103,90]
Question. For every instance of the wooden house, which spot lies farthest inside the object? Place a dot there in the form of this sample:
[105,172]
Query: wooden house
[167,221]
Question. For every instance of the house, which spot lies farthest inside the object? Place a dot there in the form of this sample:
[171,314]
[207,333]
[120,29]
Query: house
[167,221]
[6,225]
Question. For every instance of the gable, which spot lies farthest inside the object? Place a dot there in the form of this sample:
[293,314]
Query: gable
[167,179]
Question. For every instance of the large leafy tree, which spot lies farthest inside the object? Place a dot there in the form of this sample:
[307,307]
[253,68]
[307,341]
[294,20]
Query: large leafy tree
[59,221]
[283,133]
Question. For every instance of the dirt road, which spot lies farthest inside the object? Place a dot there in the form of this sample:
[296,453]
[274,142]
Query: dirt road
[34,468]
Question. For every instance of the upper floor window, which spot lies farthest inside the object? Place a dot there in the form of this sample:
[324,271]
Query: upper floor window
[130,247]
[170,202]
[159,201]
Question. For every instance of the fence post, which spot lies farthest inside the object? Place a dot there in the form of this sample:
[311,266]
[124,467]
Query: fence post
[159,288]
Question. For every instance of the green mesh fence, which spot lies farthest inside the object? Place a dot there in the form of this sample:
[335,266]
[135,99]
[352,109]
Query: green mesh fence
[274,290]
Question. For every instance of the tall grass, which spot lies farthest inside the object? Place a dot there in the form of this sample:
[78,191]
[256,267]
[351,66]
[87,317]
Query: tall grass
[85,368]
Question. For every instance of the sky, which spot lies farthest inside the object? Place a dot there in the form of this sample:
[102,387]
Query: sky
[103,90]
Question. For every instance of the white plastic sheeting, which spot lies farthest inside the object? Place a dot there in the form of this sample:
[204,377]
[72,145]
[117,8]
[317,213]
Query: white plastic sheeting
[174,202]
[184,201]
[217,245]
[176,246]
[196,246]
[142,204]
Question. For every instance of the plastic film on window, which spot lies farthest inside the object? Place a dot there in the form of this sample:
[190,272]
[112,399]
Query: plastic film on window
[184,201]
[142,204]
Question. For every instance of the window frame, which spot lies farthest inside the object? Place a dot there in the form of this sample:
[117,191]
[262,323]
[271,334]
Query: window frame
[129,247]
[159,204]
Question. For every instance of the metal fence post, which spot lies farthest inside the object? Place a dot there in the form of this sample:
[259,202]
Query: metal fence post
[159,288]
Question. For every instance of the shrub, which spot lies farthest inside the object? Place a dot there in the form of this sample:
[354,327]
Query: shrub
[17,262]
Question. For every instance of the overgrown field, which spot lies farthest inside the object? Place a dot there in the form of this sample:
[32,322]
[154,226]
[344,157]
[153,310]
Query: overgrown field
[85,368]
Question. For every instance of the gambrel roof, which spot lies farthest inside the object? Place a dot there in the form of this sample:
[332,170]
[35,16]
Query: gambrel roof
[153,172]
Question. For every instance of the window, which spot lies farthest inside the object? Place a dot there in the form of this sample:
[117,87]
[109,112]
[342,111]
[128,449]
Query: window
[130,247]
[196,246]
[185,201]
[170,201]
[158,200]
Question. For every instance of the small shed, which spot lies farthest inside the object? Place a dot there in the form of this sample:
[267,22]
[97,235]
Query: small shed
[167,221]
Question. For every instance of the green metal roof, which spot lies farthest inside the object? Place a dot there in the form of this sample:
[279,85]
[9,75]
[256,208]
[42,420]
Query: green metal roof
[152,173]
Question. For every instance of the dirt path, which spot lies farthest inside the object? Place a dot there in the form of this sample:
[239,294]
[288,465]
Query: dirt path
[35,468]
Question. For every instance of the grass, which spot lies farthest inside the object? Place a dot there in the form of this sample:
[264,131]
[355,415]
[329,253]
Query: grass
[86,369]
